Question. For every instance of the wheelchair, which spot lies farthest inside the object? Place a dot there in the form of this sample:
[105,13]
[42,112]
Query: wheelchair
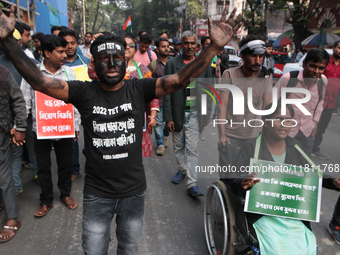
[226,228]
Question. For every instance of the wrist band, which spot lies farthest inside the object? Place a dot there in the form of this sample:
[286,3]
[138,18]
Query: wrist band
[223,135]
[153,116]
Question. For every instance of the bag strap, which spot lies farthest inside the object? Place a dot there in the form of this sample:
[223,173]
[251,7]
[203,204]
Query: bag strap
[138,70]
[308,159]
[149,54]
[153,66]
[292,80]
[257,148]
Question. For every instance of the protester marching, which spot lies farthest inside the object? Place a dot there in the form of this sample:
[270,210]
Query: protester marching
[78,110]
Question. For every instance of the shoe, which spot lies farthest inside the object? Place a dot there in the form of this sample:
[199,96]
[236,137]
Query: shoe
[43,210]
[70,203]
[28,165]
[20,192]
[194,192]
[334,231]
[160,151]
[178,178]
[166,142]
[319,155]
[334,113]
[36,180]
[75,177]
[202,138]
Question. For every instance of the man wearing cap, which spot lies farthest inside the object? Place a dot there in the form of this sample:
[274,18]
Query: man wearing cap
[112,113]
[177,46]
[249,75]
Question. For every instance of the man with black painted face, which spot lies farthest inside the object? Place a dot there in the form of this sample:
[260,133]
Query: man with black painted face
[112,113]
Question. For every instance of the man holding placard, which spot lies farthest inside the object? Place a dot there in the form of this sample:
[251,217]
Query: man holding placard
[53,122]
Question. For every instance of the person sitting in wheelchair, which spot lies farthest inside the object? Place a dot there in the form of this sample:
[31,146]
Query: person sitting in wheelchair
[277,235]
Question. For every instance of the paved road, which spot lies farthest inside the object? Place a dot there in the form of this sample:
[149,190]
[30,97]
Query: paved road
[173,220]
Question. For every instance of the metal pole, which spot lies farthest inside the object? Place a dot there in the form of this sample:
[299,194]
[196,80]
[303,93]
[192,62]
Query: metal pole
[84,16]
[33,16]
[28,13]
[18,10]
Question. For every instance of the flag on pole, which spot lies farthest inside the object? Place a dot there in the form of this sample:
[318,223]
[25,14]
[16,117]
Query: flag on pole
[127,26]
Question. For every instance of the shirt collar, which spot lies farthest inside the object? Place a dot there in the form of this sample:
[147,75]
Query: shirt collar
[73,59]
[300,78]
[43,68]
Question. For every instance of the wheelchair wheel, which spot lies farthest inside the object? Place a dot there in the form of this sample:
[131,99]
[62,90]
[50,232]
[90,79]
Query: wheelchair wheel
[219,220]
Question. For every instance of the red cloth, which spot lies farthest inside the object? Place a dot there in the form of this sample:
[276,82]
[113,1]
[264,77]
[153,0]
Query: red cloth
[332,72]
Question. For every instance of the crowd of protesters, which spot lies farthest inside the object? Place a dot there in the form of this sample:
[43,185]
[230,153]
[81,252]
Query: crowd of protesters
[119,97]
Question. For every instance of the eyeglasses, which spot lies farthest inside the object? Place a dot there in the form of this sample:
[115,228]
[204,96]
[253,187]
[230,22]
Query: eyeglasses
[131,45]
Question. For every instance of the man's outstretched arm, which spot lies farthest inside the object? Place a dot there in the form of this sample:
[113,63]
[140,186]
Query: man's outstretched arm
[219,36]
[30,72]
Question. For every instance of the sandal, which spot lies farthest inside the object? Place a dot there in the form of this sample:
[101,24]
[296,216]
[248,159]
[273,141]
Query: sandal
[7,229]
[70,203]
[43,210]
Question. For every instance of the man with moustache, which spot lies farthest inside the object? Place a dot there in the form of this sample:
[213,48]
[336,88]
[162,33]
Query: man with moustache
[157,69]
[183,116]
[54,50]
[112,113]
[312,79]
[234,130]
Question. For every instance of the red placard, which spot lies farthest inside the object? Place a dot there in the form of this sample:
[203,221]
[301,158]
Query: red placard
[54,117]
[202,32]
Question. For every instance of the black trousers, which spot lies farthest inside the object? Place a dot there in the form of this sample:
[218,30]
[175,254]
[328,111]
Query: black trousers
[325,118]
[63,151]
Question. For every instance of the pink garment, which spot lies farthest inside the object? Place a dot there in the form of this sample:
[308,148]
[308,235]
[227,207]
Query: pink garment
[305,123]
[144,58]
[332,72]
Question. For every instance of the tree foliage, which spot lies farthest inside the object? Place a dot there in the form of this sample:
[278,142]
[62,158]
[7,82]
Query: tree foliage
[194,10]
[98,15]
[253,18]
[298,14]
[154,16]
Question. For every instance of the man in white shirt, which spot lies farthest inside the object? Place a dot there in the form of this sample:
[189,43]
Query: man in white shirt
[54,50]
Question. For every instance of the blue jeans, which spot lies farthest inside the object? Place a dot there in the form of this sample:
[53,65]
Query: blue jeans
[97,217]
[75,158]
[160,130]
[185,148]
[16,166]
[336,213]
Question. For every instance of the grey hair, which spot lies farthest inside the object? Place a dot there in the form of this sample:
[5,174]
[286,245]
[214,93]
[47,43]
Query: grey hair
[189,33]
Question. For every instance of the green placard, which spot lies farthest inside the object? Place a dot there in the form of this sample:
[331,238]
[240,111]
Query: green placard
[285,191]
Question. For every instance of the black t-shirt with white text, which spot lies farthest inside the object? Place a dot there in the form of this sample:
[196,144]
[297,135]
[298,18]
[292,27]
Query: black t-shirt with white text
[113,131]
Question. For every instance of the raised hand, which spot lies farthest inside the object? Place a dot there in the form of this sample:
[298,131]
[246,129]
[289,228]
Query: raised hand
[7,24]
[225,30]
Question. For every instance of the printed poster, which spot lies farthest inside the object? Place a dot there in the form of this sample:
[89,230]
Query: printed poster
[54,118]
[285,191]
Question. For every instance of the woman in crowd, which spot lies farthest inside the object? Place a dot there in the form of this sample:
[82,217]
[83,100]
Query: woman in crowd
[140,71]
